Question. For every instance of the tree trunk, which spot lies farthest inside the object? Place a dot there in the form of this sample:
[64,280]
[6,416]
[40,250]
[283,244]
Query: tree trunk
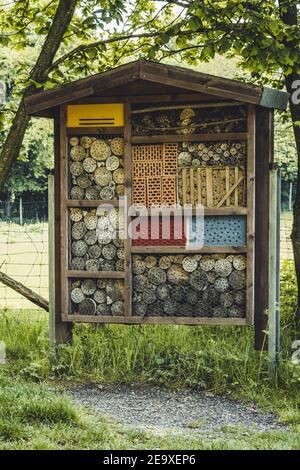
[289,15]
[39,74]
[295,236]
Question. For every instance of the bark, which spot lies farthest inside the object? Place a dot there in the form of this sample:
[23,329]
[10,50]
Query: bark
[39,74]
[295,236]
[24,291]
[290,18]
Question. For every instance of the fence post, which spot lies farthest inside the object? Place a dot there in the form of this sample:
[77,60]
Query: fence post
[21,211]
[274,273]
[51,261]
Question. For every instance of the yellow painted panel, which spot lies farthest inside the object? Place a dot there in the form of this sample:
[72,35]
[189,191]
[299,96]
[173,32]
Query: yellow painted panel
[95,115]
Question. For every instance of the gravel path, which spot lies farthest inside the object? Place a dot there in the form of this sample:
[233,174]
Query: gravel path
[163,411]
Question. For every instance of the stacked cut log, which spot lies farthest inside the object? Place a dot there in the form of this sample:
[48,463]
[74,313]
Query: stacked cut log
[189,286]
[95,242]
[97,297]
[96,167]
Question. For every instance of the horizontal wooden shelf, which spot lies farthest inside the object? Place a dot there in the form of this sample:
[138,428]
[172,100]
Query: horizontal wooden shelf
[91,203]
[94,130]
[207,211]
[158,320]
[180,250]
[147,139]
[96,274]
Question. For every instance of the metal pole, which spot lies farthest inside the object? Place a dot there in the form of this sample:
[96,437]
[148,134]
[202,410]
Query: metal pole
[51,261]
[274,272]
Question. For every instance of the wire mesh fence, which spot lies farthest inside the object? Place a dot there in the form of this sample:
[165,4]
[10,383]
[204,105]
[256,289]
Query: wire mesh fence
[24,256]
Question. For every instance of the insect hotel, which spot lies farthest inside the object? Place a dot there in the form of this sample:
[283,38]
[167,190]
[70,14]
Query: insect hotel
[160,136]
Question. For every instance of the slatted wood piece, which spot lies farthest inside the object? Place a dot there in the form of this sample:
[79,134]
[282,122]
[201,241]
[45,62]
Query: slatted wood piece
[214,187]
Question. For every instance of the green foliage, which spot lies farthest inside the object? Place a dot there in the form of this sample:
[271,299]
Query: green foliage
[285,149]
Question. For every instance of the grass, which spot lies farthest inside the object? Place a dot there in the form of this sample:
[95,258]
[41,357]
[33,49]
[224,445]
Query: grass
[219,359]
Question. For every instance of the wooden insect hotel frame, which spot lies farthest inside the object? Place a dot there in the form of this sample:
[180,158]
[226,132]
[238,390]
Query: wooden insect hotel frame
[160,136]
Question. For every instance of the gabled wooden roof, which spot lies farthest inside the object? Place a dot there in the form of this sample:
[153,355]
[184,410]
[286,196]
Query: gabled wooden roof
[43,103]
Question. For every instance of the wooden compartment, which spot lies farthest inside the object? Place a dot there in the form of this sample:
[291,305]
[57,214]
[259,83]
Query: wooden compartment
[189,286]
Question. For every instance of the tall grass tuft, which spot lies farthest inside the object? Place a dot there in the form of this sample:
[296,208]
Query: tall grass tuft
[220,359]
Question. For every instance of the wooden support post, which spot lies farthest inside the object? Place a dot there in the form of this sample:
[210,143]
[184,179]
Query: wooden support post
[127,218]
[274,269]
[264,156]
[63,329]
[51,261]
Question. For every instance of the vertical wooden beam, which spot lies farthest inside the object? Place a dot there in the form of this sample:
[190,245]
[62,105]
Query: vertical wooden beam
[192,183]
[250,212]
[51,261]
[64,185]
[209,188]
[199,186]
[264,156]
[63,330]
[127,220]
[184,186]
[227,182]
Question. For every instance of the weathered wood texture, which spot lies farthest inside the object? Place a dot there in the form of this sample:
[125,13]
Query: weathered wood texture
[63,330]
[264,157]
[24,291]
[164,75]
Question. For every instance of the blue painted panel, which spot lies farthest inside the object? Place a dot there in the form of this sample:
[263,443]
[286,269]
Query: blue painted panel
[221,231]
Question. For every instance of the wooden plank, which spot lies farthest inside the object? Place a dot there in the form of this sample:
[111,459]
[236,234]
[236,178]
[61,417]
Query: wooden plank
[227,184]
[95,274]
[213,137]
[91,203]
[209,188]
[171,97]
[94,130]
[218,104]
[250,217]
[182,250]
[184,186]
[236,192]
[64,184]
[192,186]
[63,330]
[157,320]
[82,88]
[127,219]
[207,211]
[51,261]
[228,194]
[264,157]
[199,186]
[212,85]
